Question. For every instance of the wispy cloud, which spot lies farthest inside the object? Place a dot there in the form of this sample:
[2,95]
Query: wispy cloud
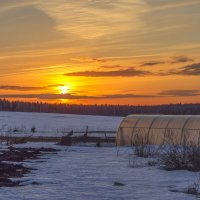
[174,93]
[110,67]
[89,59]
[94,17]
[20,88]
[119,96]
[123,72]
[171,4]
[181,59]
[27,88]
[6,5]
[152,63]
[193,70]
[73,97]
[173,60]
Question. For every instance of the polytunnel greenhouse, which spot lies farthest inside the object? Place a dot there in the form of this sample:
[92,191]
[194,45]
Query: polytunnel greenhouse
[159,129]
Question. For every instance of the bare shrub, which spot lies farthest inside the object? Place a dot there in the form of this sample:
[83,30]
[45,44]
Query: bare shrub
[177,152]
[193,156]
[142,146]
[181,156]
[174,158]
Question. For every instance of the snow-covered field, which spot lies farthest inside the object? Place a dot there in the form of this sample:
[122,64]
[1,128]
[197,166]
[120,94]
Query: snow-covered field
[54,124]
[87,172]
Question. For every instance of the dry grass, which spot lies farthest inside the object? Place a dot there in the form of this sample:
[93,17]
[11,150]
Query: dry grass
[172,155]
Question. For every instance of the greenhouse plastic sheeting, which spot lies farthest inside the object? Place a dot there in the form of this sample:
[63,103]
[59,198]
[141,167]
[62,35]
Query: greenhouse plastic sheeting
[159,129]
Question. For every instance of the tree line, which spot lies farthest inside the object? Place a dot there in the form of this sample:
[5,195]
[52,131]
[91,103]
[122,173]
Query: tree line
[106,110]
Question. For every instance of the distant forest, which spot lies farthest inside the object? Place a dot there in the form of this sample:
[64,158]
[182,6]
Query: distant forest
[107,110]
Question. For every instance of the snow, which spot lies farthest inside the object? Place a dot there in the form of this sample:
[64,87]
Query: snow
[55,124]
[88,172]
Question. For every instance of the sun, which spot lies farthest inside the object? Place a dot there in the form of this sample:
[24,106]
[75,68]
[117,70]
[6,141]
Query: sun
[63,89]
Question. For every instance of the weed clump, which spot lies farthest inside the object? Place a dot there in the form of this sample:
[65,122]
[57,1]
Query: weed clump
[171,155]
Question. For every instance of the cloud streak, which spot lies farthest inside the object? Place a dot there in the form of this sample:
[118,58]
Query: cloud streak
[173,60]
[176,93]
[193,70]
[94,17]
[73,97]
[27,88]
[20,88]
[152,63]
[117,73]
[181,59]
[188,70]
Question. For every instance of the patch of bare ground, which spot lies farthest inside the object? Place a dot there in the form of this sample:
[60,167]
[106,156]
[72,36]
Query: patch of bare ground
[11,170]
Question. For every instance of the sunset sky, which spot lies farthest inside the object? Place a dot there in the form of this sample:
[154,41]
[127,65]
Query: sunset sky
[100,51]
